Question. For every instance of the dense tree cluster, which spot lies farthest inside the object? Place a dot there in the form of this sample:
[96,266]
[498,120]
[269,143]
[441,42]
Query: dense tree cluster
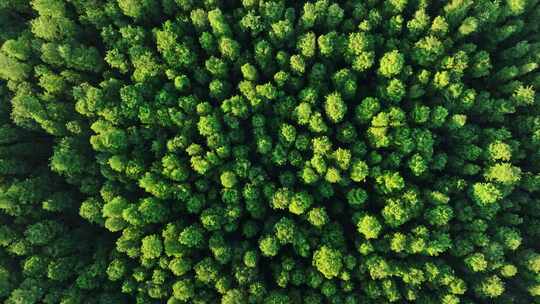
[269,151]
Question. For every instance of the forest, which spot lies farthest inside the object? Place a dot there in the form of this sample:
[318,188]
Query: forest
[269,151]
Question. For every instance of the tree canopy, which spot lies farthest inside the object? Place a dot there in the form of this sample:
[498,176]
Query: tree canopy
[269,151]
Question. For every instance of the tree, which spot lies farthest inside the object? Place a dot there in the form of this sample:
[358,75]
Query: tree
[369,226]
[391,64]
[328,261]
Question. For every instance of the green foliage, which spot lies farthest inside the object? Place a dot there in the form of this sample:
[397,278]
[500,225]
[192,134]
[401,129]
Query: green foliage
[327,261]
[151,247]
[391,64]
[369,226]
[275,152]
